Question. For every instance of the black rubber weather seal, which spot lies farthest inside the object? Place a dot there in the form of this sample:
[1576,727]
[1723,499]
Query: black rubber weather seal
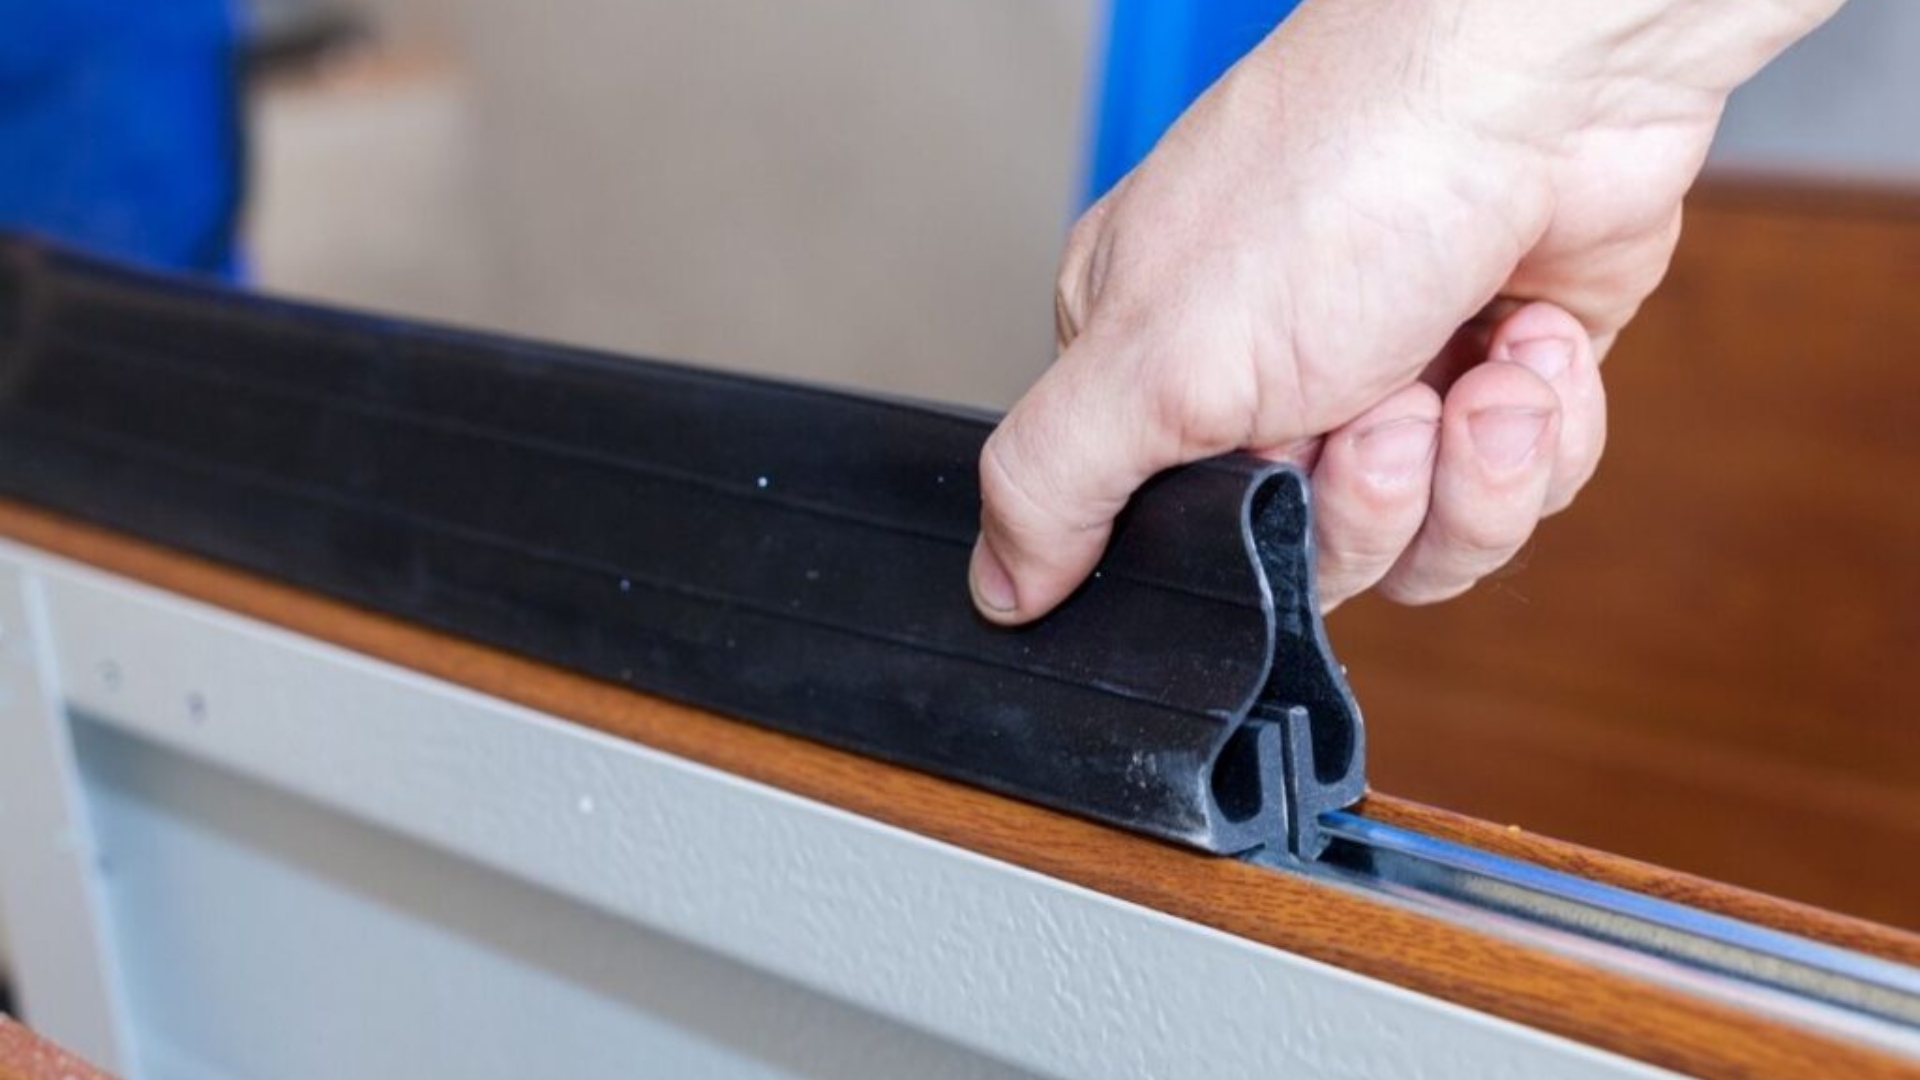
[780,553]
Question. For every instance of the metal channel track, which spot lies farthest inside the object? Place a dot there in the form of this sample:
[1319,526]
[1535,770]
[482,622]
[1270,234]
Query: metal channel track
[1733,956]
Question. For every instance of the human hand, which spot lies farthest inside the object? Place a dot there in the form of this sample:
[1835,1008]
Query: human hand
[1393,244]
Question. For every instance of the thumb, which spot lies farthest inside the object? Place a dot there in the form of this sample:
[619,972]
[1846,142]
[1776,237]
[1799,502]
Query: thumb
[1064,462]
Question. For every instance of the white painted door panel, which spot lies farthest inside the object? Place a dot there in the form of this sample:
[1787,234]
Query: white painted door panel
[326,865]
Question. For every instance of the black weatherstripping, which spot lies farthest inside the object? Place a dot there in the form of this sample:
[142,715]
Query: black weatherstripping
[785,554]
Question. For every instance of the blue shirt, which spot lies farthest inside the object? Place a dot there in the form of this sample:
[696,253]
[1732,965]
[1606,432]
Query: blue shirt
[1160,56]
[120,127]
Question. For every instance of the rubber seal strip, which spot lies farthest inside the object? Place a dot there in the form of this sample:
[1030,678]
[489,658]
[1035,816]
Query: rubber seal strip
[784,554]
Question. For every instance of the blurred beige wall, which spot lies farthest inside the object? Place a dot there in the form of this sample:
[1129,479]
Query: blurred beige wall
[853,191]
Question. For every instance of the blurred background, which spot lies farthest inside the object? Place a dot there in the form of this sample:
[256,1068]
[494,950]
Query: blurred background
[1706,664]
[872,194]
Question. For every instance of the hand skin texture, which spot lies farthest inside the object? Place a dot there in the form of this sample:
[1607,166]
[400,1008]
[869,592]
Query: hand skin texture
[1393,244]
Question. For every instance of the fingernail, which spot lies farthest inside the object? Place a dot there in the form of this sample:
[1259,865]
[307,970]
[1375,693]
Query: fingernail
[1546,357]
[1505,438]
[992,585]
[1396,449]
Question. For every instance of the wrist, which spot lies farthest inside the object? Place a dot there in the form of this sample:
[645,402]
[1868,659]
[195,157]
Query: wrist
[1527,65]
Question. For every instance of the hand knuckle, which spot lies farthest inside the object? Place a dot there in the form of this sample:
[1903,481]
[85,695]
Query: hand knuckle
[1481,540]
[1361,549]
[1421,592]
[1004,492]
[1202,411]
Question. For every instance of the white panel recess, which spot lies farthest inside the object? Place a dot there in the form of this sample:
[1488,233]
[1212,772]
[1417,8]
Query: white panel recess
[320,865]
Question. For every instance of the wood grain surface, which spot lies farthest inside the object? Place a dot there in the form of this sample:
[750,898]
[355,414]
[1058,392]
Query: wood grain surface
[1708,661]
[26,1056]
[1602,1007]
